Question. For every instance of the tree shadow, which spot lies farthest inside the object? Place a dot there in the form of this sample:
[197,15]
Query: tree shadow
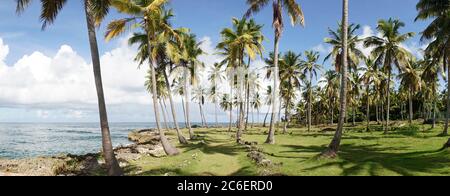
[355,159]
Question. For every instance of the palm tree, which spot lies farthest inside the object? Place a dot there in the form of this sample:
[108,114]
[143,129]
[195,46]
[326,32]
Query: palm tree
[256,105]
[333,148]
[330,79]
[268,102]
[310,68]
[437,33]
[253,88]
[291,75]
[295,12]
[150,17]
[165,62]
[388,52]
[411,78]
[191,67]
[430,77]
[370,77]
[226,103]
[216,77]
[354,53]
[199,96]
[244,38]
[94,11]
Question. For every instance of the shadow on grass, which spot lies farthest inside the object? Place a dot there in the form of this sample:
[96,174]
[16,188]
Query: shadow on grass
[355,160]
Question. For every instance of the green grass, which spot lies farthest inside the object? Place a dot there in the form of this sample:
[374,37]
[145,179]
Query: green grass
[406,151]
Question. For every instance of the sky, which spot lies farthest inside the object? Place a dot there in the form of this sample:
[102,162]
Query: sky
[46,76]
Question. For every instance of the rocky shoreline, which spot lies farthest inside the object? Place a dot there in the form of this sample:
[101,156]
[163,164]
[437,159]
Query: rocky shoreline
[145,143]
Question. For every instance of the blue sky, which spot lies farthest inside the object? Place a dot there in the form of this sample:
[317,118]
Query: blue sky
[23,37]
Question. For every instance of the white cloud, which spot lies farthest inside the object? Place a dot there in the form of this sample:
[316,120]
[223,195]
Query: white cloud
[42,114]
[323,49]
[66,79]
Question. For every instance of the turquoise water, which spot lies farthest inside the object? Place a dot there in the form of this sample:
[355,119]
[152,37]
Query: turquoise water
[21,140]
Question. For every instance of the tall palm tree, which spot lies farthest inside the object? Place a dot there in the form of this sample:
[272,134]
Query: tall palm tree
[95,11]
[355,55]
[199,96]
[411,78]
[291,75]
[331,83]
[226,103]
[216,77]
[437,32]
[333,148]
[256,105]
[389,52]
[191,68]
[268,102]
[430,78]
[310,68]
[168,55]
[295,12]
[243,39]
[370,77]
[149,17]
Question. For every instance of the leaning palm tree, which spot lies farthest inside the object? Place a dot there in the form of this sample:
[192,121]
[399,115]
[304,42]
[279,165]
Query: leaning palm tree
[295,12]
[333,148]
[150,18]
[388,52]
[168,55]
[437,32]
[309,69]
[411,79]
[95,11]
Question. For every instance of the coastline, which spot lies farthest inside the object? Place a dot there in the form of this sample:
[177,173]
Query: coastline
[145,142]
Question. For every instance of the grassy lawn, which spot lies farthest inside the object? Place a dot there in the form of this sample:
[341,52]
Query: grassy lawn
[404,151]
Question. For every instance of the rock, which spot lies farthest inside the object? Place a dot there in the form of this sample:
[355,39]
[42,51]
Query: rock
[157,152]
[144,137]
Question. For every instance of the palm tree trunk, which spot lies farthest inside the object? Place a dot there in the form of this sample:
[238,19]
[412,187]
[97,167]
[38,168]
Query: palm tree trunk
[215,114]
[184,112]
[164,115]
[388,106]
[376,112]
[410,106]
[333,148]
[434,114]
[187,100]
[271,137]
[309,101]
[267,114]
[181,138]
[204,117]
[167,113]
[447,115]
[354,116]
[368,108]
[286,113]
[108,152]
[168,148]
[248,104]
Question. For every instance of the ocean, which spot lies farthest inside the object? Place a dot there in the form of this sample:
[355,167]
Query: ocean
[23,140]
